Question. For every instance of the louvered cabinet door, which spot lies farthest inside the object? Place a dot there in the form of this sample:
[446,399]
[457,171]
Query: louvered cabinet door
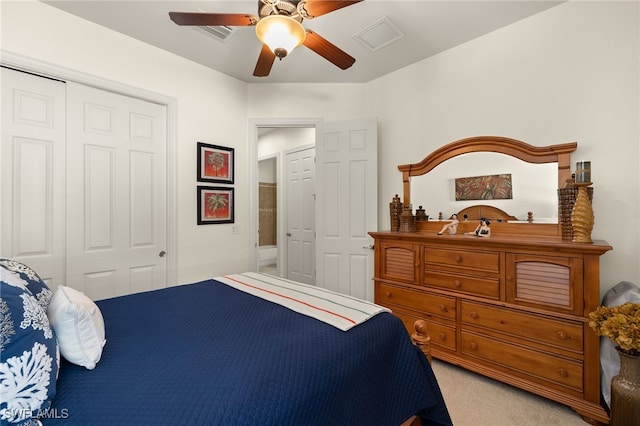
[398,261]
[549,282]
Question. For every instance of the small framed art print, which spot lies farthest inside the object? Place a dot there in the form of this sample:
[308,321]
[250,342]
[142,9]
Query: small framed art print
[215,163]
[215,205]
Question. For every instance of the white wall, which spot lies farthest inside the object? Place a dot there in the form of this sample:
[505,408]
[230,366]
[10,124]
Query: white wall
[283,139]
[46,34]
[267,170]
[570,73]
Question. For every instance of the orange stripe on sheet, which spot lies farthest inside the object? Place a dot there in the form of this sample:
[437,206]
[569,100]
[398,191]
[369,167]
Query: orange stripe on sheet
[293,299]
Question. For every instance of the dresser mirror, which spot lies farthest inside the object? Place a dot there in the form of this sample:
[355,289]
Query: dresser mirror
[536,174]
[533,186]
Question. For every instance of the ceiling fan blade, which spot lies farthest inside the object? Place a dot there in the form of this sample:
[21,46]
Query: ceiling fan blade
[265,62]
[327,50]
[317,8]
[212,19]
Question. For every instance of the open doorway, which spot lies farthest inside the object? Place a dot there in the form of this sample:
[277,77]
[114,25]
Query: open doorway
[283,207]
[342,244]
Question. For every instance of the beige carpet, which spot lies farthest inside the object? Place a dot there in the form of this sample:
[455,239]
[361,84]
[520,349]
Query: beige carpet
[474,400]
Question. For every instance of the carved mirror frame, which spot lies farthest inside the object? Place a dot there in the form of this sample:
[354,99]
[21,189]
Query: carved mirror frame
[560,154]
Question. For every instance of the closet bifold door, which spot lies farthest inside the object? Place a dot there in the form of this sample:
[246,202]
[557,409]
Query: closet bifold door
[32,173]
[117,192]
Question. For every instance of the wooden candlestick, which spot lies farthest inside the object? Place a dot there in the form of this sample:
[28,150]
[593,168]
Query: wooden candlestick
[582,217]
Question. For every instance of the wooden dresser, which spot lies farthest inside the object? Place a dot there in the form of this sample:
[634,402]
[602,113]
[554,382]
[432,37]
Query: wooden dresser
[509,308]
[512,306]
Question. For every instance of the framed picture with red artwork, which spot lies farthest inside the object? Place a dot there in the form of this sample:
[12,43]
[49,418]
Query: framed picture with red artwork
[215,163]
[491,187]
[215,205]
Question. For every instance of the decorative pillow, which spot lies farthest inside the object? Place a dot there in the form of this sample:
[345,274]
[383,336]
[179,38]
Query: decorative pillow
[79,326]
[29,356]
[34,283]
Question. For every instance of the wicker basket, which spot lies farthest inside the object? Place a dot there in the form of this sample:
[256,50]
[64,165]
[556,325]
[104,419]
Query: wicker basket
[566,200]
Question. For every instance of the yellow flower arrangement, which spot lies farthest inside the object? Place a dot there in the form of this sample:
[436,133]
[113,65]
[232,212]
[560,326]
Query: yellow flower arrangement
[621,324]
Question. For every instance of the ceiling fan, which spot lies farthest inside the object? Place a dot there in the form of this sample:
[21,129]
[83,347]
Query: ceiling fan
[279,28]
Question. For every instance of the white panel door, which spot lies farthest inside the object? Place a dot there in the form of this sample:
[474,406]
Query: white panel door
[300,202]
[116,181]
[32,161]
[347,199]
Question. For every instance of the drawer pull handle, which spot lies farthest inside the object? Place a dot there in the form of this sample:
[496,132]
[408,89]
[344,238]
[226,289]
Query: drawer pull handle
[443,308]
[562,335]
[562,372]
[388,294]
[473,346]
[442,336]
[457,283]
[474,315]
[458,259]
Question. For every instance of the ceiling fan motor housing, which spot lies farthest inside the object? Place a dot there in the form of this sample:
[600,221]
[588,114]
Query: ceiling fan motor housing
[288,8]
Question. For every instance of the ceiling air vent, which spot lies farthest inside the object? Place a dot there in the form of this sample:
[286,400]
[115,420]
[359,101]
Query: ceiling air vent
[219,32]
[381,33]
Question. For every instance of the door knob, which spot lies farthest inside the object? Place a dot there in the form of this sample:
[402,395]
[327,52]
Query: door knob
[162,253]
[288,234]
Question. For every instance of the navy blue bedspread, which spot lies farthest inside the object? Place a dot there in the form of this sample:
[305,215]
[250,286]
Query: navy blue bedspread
[207,354]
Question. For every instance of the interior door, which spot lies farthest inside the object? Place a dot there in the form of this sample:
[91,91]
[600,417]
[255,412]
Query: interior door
[300,219]
[347,205]
[32,173]
[116,186]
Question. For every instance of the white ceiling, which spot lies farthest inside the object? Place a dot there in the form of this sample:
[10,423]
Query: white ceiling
[429,27]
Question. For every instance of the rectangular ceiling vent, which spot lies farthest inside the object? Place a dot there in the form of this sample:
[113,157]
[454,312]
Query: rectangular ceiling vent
[381,33]
[219,32]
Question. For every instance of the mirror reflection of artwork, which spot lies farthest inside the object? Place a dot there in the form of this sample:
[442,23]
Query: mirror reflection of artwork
[490,187]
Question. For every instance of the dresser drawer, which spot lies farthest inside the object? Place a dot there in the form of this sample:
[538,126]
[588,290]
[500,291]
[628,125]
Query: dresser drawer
[475,260]
[441,335]
[563,334]
[536,365]
[426,303]
[485,287]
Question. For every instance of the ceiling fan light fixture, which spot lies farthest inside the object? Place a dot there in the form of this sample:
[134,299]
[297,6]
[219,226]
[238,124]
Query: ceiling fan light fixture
[281,33]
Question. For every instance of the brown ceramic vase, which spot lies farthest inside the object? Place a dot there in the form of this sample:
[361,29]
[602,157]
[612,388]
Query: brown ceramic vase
[625,392]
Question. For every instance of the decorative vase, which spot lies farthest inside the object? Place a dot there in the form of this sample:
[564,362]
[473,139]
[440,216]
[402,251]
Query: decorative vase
[625,392]
[582,215]
[566,199]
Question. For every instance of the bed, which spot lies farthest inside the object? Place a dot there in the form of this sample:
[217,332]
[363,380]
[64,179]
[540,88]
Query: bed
[215,353]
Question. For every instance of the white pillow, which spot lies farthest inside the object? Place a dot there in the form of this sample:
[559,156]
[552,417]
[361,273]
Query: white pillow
[78,325]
